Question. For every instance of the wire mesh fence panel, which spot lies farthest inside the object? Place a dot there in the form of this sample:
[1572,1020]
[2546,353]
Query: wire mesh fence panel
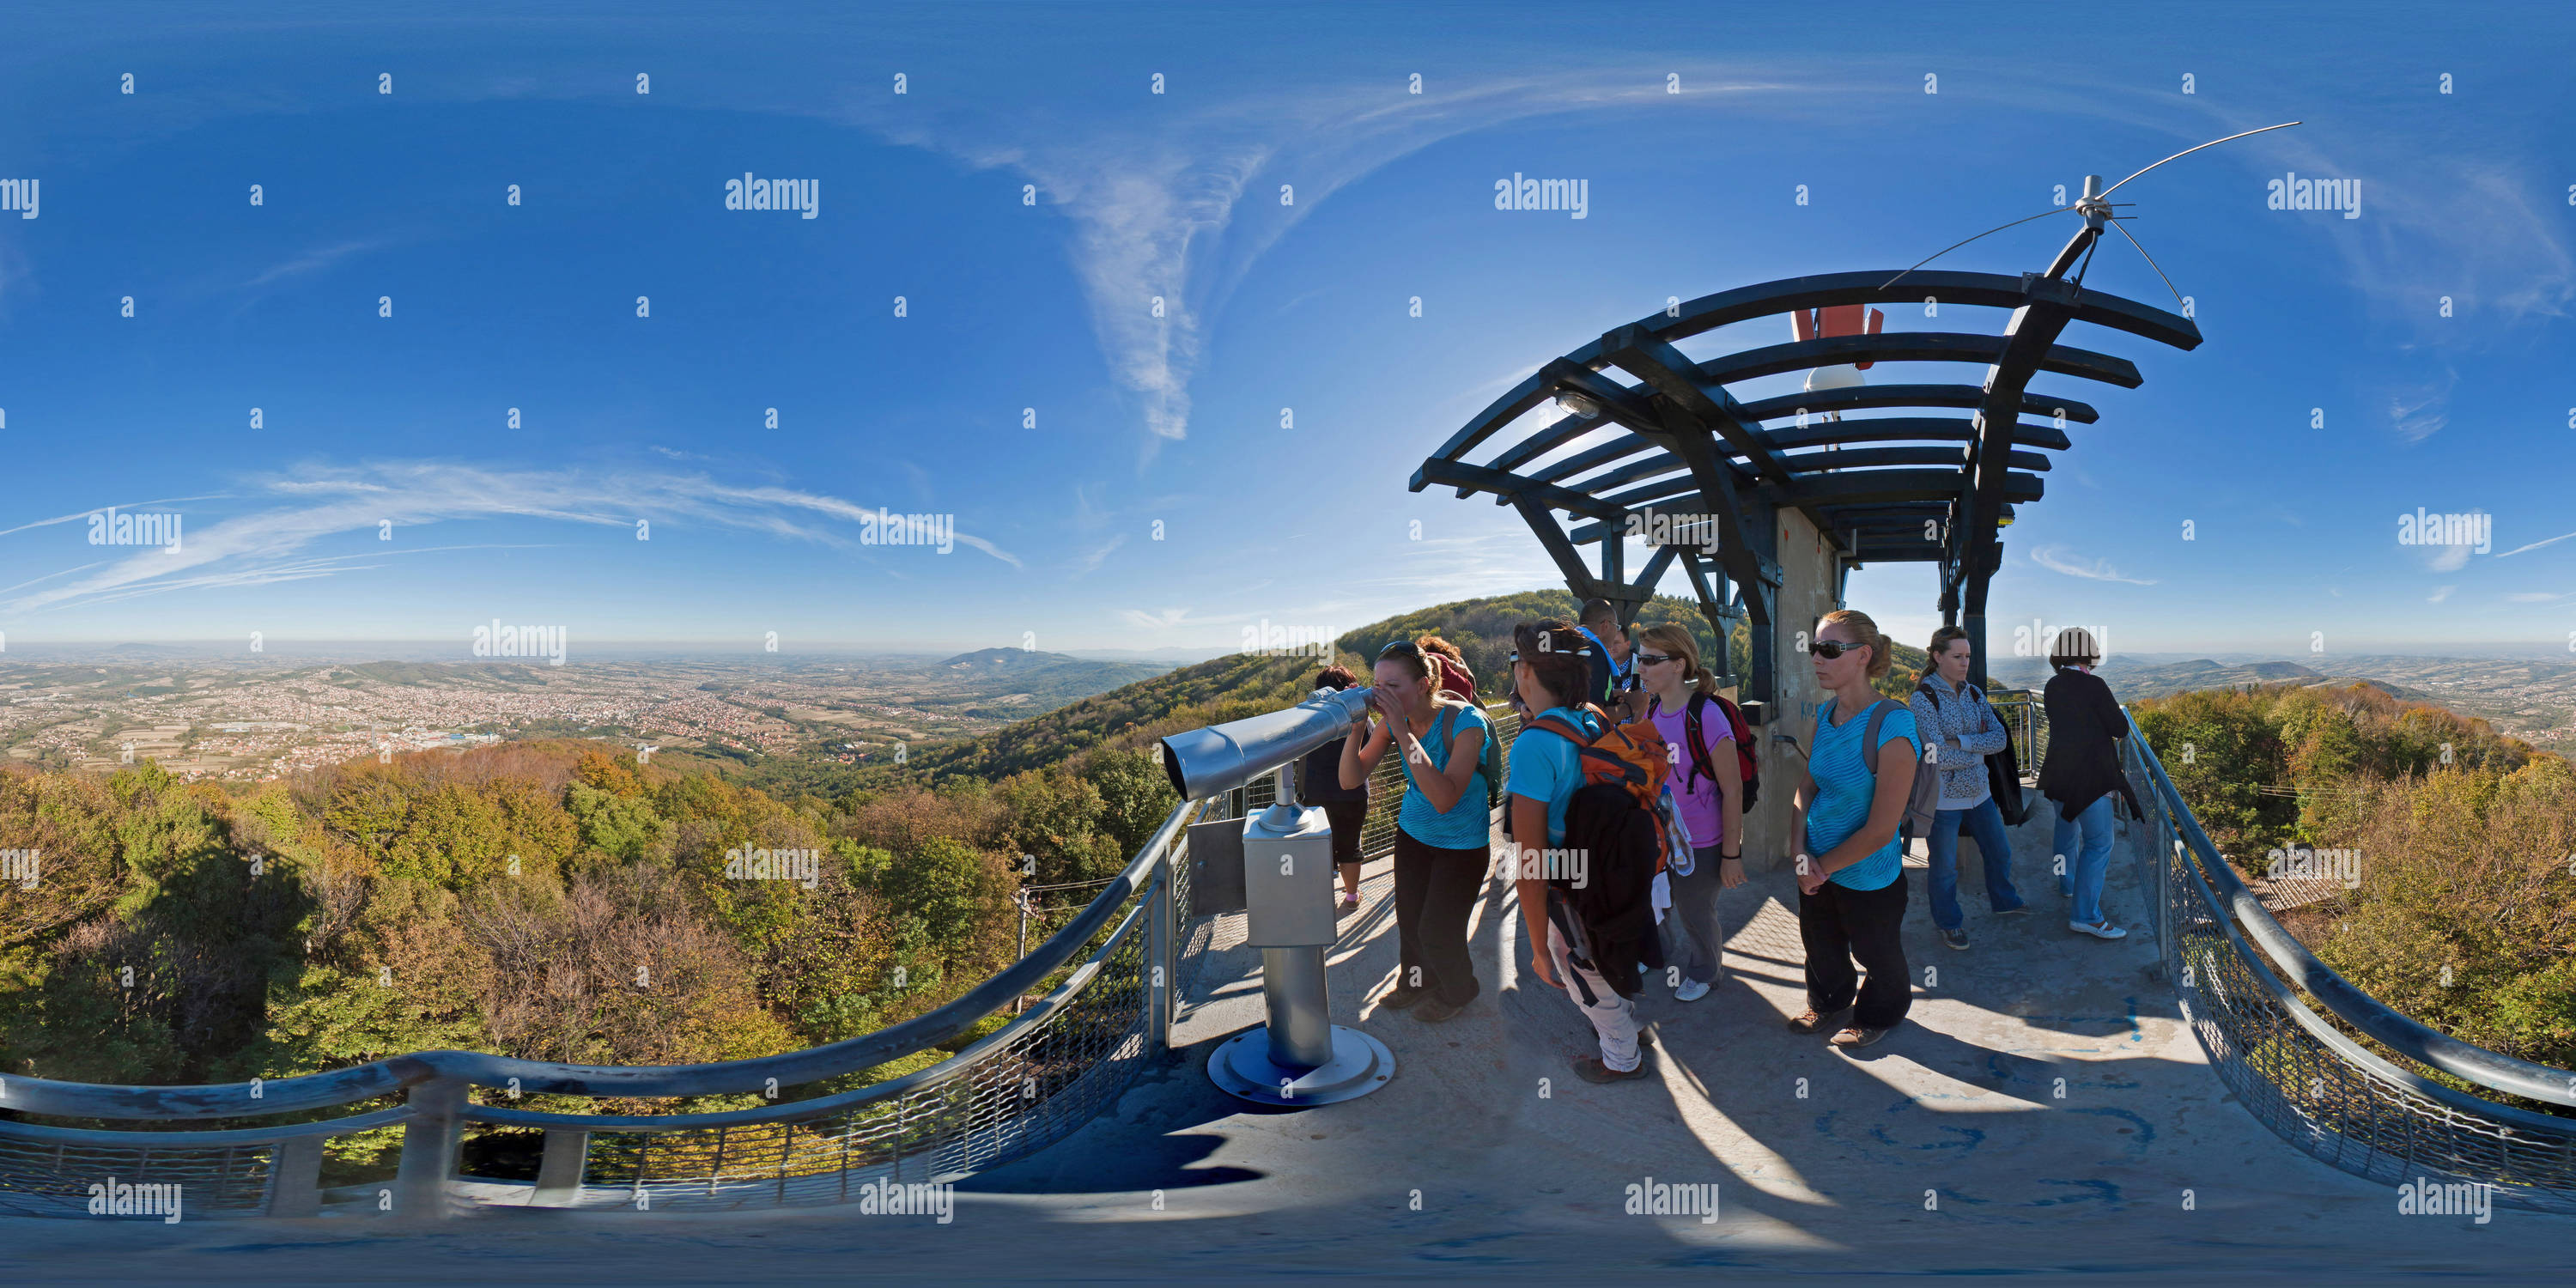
[2315,1095]
[40,1177]
[1037,1087]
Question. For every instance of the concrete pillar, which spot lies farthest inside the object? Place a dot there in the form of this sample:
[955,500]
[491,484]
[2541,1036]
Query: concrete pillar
[1809,572]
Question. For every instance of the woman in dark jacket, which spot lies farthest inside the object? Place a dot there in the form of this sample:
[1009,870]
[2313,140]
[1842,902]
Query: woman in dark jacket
[1319,782]
[2082,774]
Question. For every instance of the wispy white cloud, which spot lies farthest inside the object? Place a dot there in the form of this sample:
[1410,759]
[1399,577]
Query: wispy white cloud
[1177,206]
[319,258]
[2420,412]
[297,509]
[2535,596]
[2439,594]
[1165,620]
[2059,559]
[2545,541]
[1090,560]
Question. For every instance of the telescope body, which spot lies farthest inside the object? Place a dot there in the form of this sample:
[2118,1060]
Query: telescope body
[1220,758]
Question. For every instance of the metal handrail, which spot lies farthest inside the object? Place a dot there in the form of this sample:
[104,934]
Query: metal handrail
[825,1106]
[2303,973]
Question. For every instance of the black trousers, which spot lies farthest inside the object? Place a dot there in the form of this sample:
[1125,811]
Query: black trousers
[1840,926]
[1347,819]
[1435,890]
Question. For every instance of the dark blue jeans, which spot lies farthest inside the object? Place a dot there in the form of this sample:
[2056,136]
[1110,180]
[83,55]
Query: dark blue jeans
[1994,846]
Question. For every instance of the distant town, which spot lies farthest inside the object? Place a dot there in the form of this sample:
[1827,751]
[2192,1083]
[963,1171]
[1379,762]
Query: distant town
[251,721]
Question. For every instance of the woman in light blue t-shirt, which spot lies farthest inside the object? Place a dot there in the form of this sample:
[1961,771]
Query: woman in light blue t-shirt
[1851,878]
[1441,828]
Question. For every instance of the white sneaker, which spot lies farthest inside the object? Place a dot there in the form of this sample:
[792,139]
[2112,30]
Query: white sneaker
[1691,990]
[2099,930]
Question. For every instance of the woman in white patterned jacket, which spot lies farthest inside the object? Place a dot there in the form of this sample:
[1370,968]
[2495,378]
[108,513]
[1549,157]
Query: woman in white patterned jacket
[1953,717]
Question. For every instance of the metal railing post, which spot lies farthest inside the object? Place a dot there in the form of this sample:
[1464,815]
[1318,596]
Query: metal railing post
[429,1148]
[1162,972]
[559,1172]
[295,1177]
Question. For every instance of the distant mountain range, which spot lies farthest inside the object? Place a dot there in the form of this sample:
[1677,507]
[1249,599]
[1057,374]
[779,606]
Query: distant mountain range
[1008,683]
[2131,680]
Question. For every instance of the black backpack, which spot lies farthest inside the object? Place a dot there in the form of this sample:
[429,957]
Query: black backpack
[1614,909]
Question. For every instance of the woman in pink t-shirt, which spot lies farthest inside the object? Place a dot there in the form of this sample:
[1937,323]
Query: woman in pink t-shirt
[1710,791]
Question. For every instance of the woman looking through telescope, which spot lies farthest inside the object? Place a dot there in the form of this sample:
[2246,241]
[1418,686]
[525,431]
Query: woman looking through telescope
[1319,782]
[1442,828]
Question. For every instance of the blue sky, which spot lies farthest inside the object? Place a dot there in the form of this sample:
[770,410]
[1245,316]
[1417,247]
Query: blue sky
[1267,306]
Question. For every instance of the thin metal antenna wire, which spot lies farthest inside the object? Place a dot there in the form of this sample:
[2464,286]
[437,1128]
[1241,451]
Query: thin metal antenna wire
[2188,151]
[2151,263]
[1988,233]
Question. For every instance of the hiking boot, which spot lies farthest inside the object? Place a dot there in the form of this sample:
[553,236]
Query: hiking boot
[1399,998]
[1857,1036]
[2102,929]
[1811,1019]
[1956,938]
[1590,1069]
[1431,1010]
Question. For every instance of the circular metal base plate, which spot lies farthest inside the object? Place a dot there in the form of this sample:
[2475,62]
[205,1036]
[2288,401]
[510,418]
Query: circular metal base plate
[1241,1067]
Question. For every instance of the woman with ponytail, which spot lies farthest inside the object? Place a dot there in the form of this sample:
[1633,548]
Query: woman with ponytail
[1850,801]
[1708,785]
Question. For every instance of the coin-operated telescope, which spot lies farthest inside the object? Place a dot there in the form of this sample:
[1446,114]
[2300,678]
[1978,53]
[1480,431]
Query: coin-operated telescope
[1277,869]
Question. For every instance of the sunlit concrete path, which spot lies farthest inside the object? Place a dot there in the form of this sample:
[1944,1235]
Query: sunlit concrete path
[2043,1110]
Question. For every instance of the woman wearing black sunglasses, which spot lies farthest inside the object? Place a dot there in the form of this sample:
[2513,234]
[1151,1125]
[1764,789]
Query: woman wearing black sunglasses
[1850,801]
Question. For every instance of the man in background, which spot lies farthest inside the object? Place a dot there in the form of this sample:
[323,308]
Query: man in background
[1613,687]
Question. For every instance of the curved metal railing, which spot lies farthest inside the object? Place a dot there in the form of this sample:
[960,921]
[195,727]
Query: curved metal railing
[1030,1082]
[2246,988]
[2251,993]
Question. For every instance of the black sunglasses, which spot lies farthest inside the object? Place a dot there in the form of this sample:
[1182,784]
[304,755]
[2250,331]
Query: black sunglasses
[1831,649]
[1656,659]
[1405,648]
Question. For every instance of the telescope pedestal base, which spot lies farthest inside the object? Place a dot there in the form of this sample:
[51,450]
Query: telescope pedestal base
[1241,1067]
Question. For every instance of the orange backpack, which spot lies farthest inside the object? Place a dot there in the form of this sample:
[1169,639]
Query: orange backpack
[1630,755]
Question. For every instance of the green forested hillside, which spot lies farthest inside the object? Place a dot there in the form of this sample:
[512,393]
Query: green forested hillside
[552,900]
[1239,685]
[2459,843]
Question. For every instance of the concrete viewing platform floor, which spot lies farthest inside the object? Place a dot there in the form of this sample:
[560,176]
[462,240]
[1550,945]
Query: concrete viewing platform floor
[2044,1110]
